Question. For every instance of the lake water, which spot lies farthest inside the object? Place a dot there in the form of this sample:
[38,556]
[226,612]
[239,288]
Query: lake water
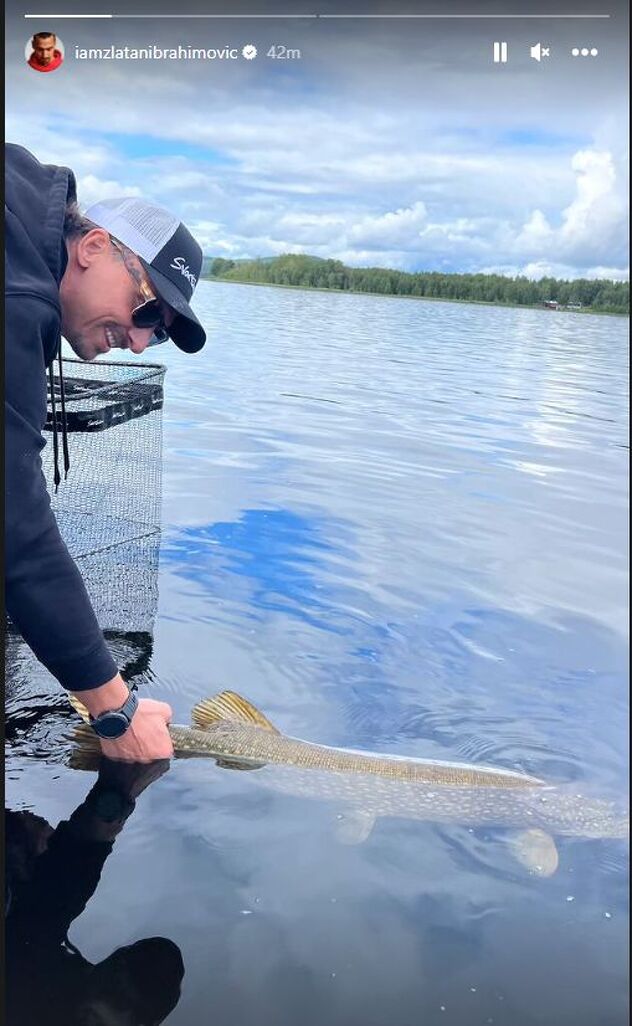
[392,525]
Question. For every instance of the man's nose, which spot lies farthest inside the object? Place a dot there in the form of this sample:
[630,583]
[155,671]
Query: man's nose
[139,339]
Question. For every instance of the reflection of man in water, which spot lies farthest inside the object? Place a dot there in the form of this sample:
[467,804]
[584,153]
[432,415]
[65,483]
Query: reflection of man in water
[51,876]
[45,56]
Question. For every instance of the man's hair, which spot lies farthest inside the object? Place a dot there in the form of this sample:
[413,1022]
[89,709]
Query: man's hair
[44,35]
[75,224]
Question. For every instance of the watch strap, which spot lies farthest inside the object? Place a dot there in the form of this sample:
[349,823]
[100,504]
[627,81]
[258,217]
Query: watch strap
[113,723]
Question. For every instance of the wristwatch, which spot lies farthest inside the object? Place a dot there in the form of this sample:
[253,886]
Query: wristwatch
[114,722]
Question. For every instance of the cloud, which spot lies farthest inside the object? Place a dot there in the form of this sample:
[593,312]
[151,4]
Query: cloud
[212,238]
[396,228]
[594,218]
[92,189]
[413,237]
[538,269]
[592,227]
[48,144]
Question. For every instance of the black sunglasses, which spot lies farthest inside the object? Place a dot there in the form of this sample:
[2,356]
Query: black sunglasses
[148,314]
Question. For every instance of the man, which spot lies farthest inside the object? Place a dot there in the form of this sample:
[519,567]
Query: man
[118,277]
[45,56]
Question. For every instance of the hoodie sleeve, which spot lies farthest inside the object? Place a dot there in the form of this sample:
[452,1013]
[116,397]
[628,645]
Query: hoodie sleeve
[45,594]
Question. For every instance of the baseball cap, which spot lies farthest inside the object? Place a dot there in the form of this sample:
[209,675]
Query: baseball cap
[171,257]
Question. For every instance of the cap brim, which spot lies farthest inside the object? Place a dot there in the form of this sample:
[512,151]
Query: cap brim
[185,330]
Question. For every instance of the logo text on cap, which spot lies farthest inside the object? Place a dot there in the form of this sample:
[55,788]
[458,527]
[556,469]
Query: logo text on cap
[180,264]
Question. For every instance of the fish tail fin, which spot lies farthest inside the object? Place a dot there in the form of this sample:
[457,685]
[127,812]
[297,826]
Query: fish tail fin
[86,750]
[228,705]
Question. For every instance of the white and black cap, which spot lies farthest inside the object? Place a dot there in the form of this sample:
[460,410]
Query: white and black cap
[168,252]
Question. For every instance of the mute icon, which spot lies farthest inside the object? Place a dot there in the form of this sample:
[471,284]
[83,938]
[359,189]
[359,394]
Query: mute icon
[538,51]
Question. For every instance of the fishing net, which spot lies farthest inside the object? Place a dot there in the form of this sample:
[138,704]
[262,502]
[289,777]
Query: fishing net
[108,507]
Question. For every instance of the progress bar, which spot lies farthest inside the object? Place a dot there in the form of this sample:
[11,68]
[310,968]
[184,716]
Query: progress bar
[444,17]
[331,17]
[42,17]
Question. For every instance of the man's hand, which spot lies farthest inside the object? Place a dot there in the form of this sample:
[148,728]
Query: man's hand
[147,737]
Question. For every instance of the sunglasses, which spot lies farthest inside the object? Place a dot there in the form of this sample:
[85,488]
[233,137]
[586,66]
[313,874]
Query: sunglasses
[148,314]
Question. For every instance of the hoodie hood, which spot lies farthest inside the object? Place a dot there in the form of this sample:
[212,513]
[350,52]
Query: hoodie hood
[35,204]
[45,596]
[36,196]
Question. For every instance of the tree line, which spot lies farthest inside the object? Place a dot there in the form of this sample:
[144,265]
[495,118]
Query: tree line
[313,272]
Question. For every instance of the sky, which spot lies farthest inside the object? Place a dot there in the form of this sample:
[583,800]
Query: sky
[388,142]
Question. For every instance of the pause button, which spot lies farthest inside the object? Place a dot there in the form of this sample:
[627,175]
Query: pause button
[500,53]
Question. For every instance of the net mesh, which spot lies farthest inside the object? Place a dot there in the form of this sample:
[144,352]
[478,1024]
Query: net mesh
[108,508]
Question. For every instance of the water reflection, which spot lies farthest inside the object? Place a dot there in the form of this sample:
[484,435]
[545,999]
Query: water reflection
[277,551]
[51,874]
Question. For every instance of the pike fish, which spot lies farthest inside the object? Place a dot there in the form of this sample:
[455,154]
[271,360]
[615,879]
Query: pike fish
[230,730]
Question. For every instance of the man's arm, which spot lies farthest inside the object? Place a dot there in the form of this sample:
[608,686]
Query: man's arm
[45,594]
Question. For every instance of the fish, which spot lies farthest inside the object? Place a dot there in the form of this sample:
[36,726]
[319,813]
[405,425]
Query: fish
[232,731]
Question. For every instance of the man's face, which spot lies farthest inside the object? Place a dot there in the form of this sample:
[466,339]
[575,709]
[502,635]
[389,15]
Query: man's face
[99,290]
[44,49]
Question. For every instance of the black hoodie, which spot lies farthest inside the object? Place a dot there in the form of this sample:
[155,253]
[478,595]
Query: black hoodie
[45,595]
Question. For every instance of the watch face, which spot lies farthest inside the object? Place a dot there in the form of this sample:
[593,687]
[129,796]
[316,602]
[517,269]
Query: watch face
[111,725]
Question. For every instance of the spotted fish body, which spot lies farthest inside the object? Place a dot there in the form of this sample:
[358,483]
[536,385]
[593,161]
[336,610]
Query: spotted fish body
[245,741]
[230,730]
[557,810]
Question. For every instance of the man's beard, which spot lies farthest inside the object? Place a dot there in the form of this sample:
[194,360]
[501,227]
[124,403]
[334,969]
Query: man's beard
[82,347]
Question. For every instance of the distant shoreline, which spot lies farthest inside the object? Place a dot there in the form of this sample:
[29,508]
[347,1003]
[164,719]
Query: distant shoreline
[422,299]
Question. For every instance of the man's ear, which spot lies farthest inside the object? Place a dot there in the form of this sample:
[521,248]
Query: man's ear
[91,246]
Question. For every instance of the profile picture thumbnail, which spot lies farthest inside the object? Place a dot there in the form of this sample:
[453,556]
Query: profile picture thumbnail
[44,52]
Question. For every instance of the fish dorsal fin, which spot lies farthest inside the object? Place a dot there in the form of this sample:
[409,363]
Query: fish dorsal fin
[228,706]
[80,708]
